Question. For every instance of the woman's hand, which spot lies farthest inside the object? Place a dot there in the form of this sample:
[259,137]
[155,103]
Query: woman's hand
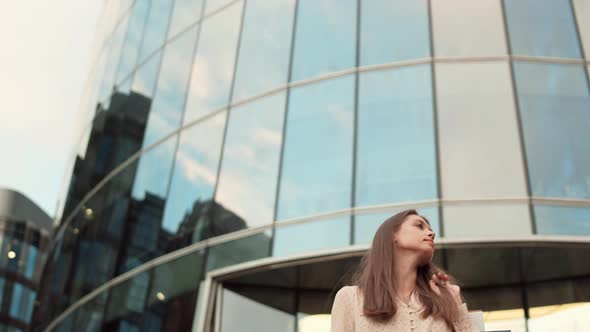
[439,280]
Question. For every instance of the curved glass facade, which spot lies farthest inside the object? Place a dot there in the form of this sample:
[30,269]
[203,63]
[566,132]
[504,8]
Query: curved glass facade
[227,131]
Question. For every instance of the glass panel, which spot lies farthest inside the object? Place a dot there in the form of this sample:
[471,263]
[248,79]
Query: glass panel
[132,39]
[325,37]
[115,135]
[238,251]
[127,298]
[263,62]
[366,225]
[480,95]
[115,44]
[393,30]
[542,28]
[554,99]
[89,315]
[249,172]
[21,306]
[168,104]
[17,298]
[153,171]
[468,28]
[582,8]
[27,309]
[16,247]
[318,235]
[173,294]
[144,81]
[562,220]
[193,182]
[238,311]
[186,12]
[213,5]
[31,262]
[65,325]
[88,276]
[213,66]
[478,221]
[175,278]
[396,158]
[317,157]
[156,27]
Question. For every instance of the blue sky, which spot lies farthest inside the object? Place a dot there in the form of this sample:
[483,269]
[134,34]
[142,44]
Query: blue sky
[47,48]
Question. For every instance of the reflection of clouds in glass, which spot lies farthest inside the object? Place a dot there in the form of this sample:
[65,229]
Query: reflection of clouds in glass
[268,137]
[341,115]
[265,47]
[195,170]
[168,104]
[176,65]
[145,78]
[317,157]
[158,128]
[247,182]
[213,66]
[156,27]
[132,39]
[318,235]
[485,37]
[153,171]
[185,13]
[114,45]
[325,37]
[542,28]
[554,98]
[393,30]
[395,120]
[212,5]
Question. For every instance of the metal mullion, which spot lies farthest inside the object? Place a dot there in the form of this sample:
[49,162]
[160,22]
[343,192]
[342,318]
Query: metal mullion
[212,212]
[580,42]
[523,152]
[436,129]
[185,98]
[135,65]
[284,129]
[355,127]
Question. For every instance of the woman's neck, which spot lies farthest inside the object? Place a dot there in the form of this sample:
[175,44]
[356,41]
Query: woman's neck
[405,276]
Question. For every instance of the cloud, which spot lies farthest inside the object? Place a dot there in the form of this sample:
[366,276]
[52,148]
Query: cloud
[196,171]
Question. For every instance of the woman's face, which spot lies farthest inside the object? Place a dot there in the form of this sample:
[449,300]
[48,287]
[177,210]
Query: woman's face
[415,234]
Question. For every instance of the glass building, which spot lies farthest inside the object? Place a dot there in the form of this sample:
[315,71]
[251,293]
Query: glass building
[238,156]
[24,238]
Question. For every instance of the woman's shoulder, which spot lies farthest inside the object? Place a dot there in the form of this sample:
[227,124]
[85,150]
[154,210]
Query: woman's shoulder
[349,293]
[346,297]
[348,290]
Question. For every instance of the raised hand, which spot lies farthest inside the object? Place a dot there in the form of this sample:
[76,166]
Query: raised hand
[439,280]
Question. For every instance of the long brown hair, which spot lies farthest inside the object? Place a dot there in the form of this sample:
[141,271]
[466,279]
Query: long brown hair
[377,284]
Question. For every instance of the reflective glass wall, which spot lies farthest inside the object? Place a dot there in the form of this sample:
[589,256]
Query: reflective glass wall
[23,251]
[260,123]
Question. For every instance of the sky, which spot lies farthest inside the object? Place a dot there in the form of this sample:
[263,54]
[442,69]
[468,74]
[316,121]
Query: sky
[45,59]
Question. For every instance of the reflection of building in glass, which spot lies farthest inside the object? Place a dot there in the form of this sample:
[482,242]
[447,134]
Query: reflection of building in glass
[116,134]
[250,149]
[24,235]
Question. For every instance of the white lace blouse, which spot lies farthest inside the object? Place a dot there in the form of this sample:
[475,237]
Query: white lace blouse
[347,316]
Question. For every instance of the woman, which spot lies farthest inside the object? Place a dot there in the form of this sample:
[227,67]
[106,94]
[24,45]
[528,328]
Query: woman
[398,288]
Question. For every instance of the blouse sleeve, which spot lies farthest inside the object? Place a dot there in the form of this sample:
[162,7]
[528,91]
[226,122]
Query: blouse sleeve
[342,311]
[464,323]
